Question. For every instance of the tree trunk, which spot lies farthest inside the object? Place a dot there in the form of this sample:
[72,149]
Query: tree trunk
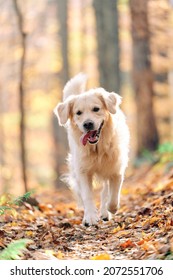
[108,43]
[2,141]
[63,32]
[21,94]
[143,77]
[59,133]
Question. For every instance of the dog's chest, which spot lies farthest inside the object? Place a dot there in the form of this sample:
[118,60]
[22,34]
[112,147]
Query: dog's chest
[101,161]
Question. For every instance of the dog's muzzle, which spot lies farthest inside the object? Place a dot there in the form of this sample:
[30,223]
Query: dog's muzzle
[91,136]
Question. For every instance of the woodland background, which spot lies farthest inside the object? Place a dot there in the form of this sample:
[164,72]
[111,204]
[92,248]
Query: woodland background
[124,46]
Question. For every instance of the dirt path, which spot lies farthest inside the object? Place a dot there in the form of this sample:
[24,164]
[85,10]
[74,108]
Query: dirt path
[142,228]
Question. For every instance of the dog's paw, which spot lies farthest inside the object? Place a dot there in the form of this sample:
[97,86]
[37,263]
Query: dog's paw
[112,208]
[90,219]
[105,218]
[104,215]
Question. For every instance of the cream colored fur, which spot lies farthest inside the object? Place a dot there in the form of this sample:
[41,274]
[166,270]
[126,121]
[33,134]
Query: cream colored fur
[108,158]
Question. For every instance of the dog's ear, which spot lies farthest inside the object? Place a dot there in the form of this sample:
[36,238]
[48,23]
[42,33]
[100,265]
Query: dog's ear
[62,111]
[111,100]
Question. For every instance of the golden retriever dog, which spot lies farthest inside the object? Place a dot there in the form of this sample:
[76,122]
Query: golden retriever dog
[98,140]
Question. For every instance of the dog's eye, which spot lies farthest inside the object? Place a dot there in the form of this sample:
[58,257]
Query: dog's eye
[96,109]
[79,113]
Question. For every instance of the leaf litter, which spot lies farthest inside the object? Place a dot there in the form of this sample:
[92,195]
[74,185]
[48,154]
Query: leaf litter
[141,229]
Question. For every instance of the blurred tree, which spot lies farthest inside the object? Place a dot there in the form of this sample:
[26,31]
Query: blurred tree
[159,13]
[147,134]
[2,141]
[63,32]
[21,92]
[60,137]
[108,43]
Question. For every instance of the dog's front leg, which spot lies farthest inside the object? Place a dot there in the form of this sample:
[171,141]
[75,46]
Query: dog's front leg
[90,213]
[114,193]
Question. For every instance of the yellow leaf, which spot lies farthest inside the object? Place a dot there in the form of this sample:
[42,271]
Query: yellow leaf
[49,252]
[125,191]
[115,230]
[144,246]
[154,219]
[13,224]
[159,187]
[29,233]
[70,213]
[58,255]
[101,257]
[5,198]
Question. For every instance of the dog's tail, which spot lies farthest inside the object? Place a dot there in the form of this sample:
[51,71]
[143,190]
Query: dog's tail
[75,86]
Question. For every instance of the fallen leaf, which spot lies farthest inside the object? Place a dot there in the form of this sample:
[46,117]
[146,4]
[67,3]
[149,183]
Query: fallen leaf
[29,233]
[127,244]
[43,256]
[101,257]
[115,230]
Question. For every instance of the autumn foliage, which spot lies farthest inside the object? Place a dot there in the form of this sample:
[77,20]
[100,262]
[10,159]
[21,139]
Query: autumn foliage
[141,229]
[42,46]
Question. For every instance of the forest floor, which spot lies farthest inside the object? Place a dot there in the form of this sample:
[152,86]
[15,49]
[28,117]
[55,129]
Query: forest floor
[141,229]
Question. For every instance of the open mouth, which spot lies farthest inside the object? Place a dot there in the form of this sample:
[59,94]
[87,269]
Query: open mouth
[91,136]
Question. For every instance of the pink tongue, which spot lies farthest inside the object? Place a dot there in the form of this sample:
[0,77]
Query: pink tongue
[84,137]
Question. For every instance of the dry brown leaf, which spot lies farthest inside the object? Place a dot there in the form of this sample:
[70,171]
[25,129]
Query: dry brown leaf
[43,256]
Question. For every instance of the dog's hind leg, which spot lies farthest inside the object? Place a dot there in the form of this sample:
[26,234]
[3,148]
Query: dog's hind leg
[114,193]
[103,204]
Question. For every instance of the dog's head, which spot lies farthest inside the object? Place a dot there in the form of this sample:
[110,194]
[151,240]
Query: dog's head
[88,112]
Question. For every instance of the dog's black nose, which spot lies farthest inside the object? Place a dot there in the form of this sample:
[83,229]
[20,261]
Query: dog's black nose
[88,125]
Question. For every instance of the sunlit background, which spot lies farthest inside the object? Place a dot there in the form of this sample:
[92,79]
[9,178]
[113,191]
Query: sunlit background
[54,40]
